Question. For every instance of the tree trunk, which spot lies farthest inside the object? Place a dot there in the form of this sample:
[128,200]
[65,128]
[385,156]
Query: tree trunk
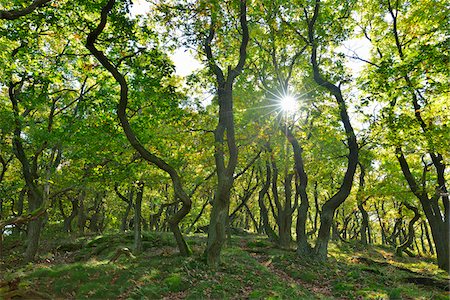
[337,199]
[225,172]
[82,218]
[137,246]
[411,232]
[263,209]
[129,202]
[33,230]
[439,223]
[73,214]
[427,234]
[360,198]
[178,189]
[326,220]
[198,216]
[303,246]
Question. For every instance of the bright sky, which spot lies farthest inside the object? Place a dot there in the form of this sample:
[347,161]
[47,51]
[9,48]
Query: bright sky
[184,60]
[186,63]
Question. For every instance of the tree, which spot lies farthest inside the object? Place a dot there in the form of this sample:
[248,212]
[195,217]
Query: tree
[121,112]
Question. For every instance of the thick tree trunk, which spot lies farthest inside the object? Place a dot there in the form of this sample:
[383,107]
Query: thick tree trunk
[284,211]
[439,223]
[218,223]
[137,246]
[33,230]
[326,220]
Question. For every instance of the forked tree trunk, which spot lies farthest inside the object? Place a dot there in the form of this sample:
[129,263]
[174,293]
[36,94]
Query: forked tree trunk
[411,232]
[225,126]
[439,223]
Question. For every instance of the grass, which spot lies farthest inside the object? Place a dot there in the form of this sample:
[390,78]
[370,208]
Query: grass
[251,269]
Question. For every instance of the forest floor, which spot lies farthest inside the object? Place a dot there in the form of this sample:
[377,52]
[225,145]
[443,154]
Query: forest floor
[252,268]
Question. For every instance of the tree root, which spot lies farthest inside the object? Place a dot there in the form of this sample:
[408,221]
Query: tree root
[418,279]
[119,253]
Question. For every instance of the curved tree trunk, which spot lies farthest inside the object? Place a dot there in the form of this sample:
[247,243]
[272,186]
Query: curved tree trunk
[321,248]
[263,209]
[439,220]
[364,230]
[439,223]
[29,170]
[225,172]
[179,191]
[411,232]
[303,246]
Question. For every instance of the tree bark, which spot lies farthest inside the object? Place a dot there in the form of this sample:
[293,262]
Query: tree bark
[411,232]
[179,191]
[137,246]
[439,224]
[263,209]
[221,203]
[364,230]
[321,247]
[17,13]
[129,202]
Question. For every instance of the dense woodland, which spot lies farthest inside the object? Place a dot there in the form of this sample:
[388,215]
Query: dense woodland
[285,132]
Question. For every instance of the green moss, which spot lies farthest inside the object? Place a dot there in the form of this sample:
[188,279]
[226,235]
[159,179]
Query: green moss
[175,283]
[308,276]
[395,294]
[244,272]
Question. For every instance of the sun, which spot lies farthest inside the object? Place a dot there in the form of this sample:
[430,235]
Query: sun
[288,104]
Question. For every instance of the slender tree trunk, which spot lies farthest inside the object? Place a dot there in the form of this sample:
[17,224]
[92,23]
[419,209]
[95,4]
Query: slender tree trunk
[178,189]
[137,246]
[321,248]
[411,232]
[225,126]
[198,216]
[361,200]
[427,234]
[263,209]
[82,218]
[252,218]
